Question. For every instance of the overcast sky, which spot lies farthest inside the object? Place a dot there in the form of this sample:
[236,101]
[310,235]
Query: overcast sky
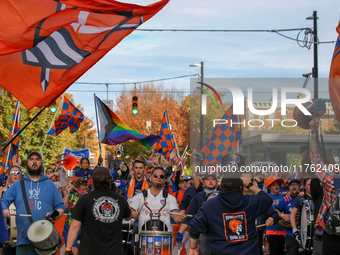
[155,55]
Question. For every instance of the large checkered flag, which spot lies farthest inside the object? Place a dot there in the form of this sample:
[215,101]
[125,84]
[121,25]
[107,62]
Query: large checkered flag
[165,145]
[222,139]
[70,117]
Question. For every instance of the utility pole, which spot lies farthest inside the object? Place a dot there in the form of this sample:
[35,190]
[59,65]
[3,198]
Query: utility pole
[315,48]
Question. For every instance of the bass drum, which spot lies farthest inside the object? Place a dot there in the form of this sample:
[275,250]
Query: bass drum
[156,243]
[306,231]
[44,237]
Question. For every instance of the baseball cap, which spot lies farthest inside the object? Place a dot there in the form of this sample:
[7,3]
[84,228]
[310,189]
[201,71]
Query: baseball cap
[295,180]
[270,180]
[34,153]
[182,180]
[209,175]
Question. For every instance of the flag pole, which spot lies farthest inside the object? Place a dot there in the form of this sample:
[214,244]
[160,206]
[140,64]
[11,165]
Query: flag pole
[186,147]
[95,106]
[15,136]
[16,113]
[180,161]
[52,123]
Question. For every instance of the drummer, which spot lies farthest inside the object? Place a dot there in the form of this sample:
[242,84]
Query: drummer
[14,174]
[284,208]
[158,201]
[296,208]
[42,196]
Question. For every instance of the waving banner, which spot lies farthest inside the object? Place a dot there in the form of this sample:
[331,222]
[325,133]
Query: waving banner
[46,45]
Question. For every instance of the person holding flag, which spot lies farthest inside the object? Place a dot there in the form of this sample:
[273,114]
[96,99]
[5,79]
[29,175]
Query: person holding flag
[12,150]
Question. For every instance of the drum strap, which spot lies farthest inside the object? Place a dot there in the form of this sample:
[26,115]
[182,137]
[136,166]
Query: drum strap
[24,196]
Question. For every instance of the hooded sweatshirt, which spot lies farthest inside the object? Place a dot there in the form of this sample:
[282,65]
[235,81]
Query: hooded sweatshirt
[43,197]
[229,222]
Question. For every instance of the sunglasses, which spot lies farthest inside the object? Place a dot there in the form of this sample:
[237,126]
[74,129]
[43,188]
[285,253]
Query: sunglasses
[159,175]
[81,182]
[17,173]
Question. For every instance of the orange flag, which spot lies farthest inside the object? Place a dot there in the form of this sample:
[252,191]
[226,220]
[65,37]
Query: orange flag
[334,78]
[46,45]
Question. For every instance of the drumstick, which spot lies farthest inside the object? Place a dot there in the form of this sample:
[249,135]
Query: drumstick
[181,214]
[22,215]
[262,225]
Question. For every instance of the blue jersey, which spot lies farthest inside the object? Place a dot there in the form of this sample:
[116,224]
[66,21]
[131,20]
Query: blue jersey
[285,205]
[276,229]
[80,173]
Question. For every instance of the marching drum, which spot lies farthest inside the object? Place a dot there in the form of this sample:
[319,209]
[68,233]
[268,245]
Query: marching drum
[44,237]
[12,228]
[306,226]
[156,243]
[127,230]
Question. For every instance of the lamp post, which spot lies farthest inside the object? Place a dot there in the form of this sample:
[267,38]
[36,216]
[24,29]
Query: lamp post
[315,68]
[201,120]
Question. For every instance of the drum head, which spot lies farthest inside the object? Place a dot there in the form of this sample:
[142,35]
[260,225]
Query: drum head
[306,223]
[39,231]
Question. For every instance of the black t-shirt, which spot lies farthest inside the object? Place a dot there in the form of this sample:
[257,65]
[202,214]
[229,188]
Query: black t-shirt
[101,213]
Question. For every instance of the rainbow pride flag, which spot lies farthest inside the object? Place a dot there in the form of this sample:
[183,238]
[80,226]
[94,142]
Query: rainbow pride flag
[113,131]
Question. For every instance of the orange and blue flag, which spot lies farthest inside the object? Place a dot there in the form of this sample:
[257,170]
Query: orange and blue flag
[47,45]
[334,77]
[165,145]
[13,148]
[223,139]
[70,117]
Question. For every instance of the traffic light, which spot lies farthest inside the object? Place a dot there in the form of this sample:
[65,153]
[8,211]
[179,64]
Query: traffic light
[53,109]
[135,105]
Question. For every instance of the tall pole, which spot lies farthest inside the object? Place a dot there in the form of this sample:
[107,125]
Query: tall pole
[24,128]
[201,122]
[315,69]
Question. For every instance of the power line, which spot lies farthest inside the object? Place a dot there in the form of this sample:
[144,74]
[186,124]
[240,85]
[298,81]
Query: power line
[218,30]
[117,91]
[167,91]
[136,82]
[307,42]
